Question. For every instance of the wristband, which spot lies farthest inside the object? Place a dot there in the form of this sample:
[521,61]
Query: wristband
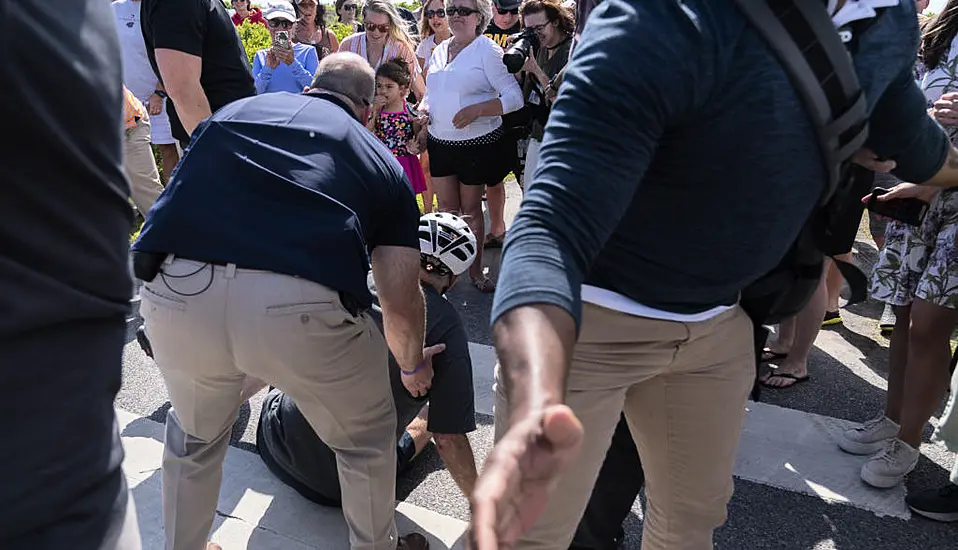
[160,93]
[414,371]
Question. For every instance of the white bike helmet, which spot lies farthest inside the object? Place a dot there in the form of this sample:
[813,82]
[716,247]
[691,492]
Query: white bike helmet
[447,238]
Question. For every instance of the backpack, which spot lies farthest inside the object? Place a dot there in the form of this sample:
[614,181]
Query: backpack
[818,61]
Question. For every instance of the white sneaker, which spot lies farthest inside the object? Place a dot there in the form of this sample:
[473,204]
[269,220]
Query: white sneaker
[888,468]
[870,437]
[888,319]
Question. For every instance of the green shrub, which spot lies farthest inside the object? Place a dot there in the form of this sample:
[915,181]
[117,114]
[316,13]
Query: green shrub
[255,38]
[341,30]
[411,5]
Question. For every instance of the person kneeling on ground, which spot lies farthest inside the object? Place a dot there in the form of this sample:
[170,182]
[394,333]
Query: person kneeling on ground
[298,457]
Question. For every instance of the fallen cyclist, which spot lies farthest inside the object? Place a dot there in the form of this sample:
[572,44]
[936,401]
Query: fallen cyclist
[444,411]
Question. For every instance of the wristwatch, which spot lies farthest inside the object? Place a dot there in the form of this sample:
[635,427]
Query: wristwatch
[160,93]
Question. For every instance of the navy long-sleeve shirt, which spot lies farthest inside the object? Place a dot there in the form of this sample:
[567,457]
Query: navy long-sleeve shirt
[679,163]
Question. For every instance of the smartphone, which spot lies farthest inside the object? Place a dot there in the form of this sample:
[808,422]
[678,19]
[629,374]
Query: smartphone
[282,40]
[911,211]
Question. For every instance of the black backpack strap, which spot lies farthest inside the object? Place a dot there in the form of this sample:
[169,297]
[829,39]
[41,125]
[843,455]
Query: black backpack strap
[803,37]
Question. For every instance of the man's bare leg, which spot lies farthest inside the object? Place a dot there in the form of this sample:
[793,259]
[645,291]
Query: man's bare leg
[454,449]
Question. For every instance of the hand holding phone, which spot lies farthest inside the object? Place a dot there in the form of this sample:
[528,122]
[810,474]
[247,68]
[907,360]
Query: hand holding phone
[906,210]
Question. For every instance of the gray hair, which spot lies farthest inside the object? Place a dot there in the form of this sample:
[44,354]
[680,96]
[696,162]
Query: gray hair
[485,14]
[347,74]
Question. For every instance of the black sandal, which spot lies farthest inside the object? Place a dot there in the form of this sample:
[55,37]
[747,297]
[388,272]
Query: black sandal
[797,380]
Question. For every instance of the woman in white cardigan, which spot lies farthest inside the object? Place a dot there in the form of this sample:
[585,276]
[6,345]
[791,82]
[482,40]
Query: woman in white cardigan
[468,89]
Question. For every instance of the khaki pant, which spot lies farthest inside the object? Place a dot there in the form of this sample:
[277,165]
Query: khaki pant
[140,166]
[211,327]
[683,388]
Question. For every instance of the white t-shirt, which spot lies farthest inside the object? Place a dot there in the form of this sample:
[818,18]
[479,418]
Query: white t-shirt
[425,48]
[138,75]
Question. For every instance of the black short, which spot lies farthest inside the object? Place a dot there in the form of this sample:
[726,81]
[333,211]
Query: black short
[480,161]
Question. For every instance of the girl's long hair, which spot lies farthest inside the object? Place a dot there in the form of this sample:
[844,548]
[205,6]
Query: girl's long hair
[938,36]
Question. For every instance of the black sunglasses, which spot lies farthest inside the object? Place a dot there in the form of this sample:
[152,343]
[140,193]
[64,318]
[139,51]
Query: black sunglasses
[503,12]
[349,7]
[465,12]
[441,13]
[280,24]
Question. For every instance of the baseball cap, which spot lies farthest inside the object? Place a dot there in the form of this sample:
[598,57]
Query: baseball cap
[279,9]
[507,4]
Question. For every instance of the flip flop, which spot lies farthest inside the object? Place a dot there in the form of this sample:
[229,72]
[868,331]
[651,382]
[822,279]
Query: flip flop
[797,380]
[769,355]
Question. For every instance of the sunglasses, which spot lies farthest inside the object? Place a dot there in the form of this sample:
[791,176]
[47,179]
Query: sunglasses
[464,12]
[374,27]
[441,13]
[503,12]
[280,24]
[349,7]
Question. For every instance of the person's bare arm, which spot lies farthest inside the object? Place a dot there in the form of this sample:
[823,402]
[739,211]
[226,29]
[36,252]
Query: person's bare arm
[535,341]
[396,272]
[947,176]
[456,453]
[180,73]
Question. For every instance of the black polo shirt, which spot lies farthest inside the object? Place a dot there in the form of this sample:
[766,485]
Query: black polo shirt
[287,183]
[202,28]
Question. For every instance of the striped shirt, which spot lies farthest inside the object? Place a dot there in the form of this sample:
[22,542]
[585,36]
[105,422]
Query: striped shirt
[133,110]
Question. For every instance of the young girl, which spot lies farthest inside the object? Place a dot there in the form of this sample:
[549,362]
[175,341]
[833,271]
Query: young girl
[395,124]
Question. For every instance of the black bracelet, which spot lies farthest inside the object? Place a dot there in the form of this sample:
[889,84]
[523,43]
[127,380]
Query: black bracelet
[160,93]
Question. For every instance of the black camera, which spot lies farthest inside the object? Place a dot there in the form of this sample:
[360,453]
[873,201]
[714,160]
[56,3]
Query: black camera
[520,50]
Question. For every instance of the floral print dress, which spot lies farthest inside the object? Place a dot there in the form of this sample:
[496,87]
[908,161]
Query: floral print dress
[922,262]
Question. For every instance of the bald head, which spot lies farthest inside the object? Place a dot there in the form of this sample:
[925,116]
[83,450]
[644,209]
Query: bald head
[347,74]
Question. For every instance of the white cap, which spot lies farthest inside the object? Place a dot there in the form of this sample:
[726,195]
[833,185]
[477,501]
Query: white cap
[279,9]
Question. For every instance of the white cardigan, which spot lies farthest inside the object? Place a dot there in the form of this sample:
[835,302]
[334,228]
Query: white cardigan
[477,74]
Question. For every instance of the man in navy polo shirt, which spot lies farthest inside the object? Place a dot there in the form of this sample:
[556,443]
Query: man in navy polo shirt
[255,260]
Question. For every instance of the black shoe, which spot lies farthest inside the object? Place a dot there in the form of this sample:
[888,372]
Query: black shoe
[144,341]
[938,504]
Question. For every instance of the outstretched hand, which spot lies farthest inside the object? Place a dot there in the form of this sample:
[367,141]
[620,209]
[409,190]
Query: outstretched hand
[520,475]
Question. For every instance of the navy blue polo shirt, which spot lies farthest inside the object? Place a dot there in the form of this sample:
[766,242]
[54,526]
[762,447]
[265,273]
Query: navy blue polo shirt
[287,183]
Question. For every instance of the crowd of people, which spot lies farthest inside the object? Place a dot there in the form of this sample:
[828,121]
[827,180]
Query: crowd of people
[286,251]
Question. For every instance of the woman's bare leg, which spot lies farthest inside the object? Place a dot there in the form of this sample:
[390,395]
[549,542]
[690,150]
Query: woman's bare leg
[471,197]
[929,356]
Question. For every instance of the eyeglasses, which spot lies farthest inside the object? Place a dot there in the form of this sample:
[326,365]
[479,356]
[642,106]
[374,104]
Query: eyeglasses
[280,24]
[374,27]
[349,7]
[441,13]
[464,12]
[539,28]
[503,12]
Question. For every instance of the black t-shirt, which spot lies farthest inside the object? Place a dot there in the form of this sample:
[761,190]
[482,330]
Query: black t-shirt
[65,215]
[202,28]
[294,452]
[288,183]
[501,36]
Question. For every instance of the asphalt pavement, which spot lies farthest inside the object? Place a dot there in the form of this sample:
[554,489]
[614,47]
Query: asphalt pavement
[794,489]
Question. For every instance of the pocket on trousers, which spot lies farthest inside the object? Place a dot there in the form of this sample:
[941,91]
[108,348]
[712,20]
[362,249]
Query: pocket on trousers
[313,318]
[160,298]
